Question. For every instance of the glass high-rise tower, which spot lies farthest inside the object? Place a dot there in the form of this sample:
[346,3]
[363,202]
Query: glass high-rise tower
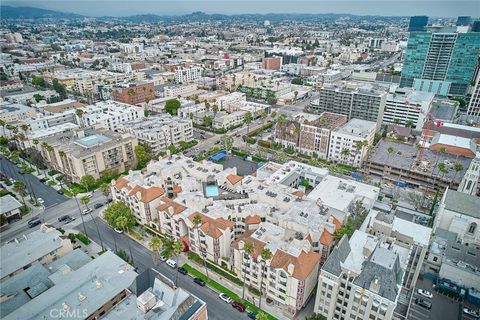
[441,60]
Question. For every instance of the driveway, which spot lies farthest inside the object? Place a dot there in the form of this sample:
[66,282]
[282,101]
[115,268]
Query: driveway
[36,188]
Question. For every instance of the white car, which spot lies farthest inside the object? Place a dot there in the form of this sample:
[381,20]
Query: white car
[425,293]
[40,200]
[225,298]
[87,211]
[163,258]
[90,195]
[471,312]
[117,230]
[171,263]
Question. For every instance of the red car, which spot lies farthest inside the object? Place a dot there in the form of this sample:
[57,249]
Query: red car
[240,307]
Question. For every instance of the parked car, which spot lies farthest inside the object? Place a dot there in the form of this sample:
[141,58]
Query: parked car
[117,230]
[87,211]
[60,192]
[163,258]
[69,219]
[225,297]
[182,270]
[11,180]
[217,142]
[42,180]
[34,222]
[63,218]
[199,281]
[471,312]
[98,205]
[252,315]
[239,306]
[171,263]
[425,293]
[90,195]
[40,200]
[424,303]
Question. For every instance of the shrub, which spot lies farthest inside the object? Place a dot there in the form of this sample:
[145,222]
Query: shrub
[122,254]
[196,258]
[61,230]
[265,144]
[52,172]
[253,290]
[258,159]
[72,237]
[24,210]
[82,238]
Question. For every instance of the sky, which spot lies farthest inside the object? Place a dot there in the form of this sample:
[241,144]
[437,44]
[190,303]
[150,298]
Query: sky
[437,8]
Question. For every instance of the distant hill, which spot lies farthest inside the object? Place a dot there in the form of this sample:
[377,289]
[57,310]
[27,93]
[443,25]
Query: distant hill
[9,12]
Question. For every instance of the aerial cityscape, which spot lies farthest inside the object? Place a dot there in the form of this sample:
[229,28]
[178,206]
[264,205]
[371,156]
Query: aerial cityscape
[240,160]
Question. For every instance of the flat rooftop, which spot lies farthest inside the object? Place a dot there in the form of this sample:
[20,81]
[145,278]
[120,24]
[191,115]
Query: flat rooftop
[357,127]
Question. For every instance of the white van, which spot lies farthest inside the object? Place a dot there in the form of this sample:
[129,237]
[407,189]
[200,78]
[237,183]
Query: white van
[171,263]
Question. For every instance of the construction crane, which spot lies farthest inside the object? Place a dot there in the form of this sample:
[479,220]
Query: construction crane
[429,119]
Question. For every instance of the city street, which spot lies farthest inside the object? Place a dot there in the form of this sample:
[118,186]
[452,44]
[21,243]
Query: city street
[36,188]
[50,215]
[142,259]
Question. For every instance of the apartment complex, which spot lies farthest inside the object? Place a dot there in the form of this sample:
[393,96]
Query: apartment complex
[159,132]
[39,247]
[268,208]
[134,93]
[183,90]
[349,143]
[109,114]
[14,112]
[87,151]
[361,279]
[272,63]
[441,60]
[407,107]
[187,74]
[309,134]
[361,101]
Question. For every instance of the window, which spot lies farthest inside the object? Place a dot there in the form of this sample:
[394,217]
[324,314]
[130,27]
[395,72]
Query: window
[472,228]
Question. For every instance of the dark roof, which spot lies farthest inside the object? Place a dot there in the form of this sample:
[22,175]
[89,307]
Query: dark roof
[463,203]
[386,278]
[338,255]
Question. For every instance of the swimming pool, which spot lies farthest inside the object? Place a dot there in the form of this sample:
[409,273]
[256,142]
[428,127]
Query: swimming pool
[211,190]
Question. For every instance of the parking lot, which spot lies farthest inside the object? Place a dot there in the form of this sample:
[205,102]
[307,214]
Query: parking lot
[443,307]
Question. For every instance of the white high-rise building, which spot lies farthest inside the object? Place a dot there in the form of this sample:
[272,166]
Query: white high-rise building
[189,74]
[470,180]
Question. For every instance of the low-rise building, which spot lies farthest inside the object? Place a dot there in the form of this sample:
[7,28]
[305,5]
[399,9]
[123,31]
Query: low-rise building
[87,151]
[14,112]
[10,207]
[182,90]
[349,142]
[159,132]
[39,247]
[134,93]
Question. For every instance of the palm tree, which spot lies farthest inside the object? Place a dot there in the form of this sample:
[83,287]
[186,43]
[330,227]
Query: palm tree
[25,128]
[390,151]
[74,194]
[79,113]
[248,119]
[19,187]
[295,93]
[457,167]
[215,110]
[248,248]
[266,254]
[122,223]
[3,124]
[197,221]
[177,248]
[442,170]
[85,201]
[155,245]
[345,153]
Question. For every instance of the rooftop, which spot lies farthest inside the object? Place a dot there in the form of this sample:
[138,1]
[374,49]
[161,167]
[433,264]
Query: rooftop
[8,203]
[462,203]
[357,127]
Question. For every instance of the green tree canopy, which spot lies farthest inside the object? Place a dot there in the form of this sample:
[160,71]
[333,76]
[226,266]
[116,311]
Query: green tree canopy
[297,80]
[88,182]
[118,214]
[39,81]
[172,106]
[141,153]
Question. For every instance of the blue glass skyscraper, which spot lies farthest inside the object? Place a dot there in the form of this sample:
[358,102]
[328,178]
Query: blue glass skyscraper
[441,60]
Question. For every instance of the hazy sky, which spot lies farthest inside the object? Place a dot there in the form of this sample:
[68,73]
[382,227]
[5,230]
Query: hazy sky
[439,8]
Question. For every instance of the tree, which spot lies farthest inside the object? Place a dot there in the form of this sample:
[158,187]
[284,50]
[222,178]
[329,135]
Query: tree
[457,167]
[315,316]
[409,124]
[227,141]
[79,114]
[88,182]
[249,249]
[197,221]
[176,248]
[248,118]
[155,245]
[59,88]
[295,94]
[38,97]
[39,81]
[442,169]
[390,151]
[105,190]
[172,106]
[116,210]
[85,201]
[345,153]
[3,125]
[207,121]
[215,110]
[266,254]
[20,188]
[297,81]
[142,156]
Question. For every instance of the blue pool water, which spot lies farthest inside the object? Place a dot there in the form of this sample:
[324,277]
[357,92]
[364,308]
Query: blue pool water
[211,191]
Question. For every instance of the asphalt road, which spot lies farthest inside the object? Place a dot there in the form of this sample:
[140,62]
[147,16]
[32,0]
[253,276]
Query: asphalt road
[142,259]
[36,188]
[50,215]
